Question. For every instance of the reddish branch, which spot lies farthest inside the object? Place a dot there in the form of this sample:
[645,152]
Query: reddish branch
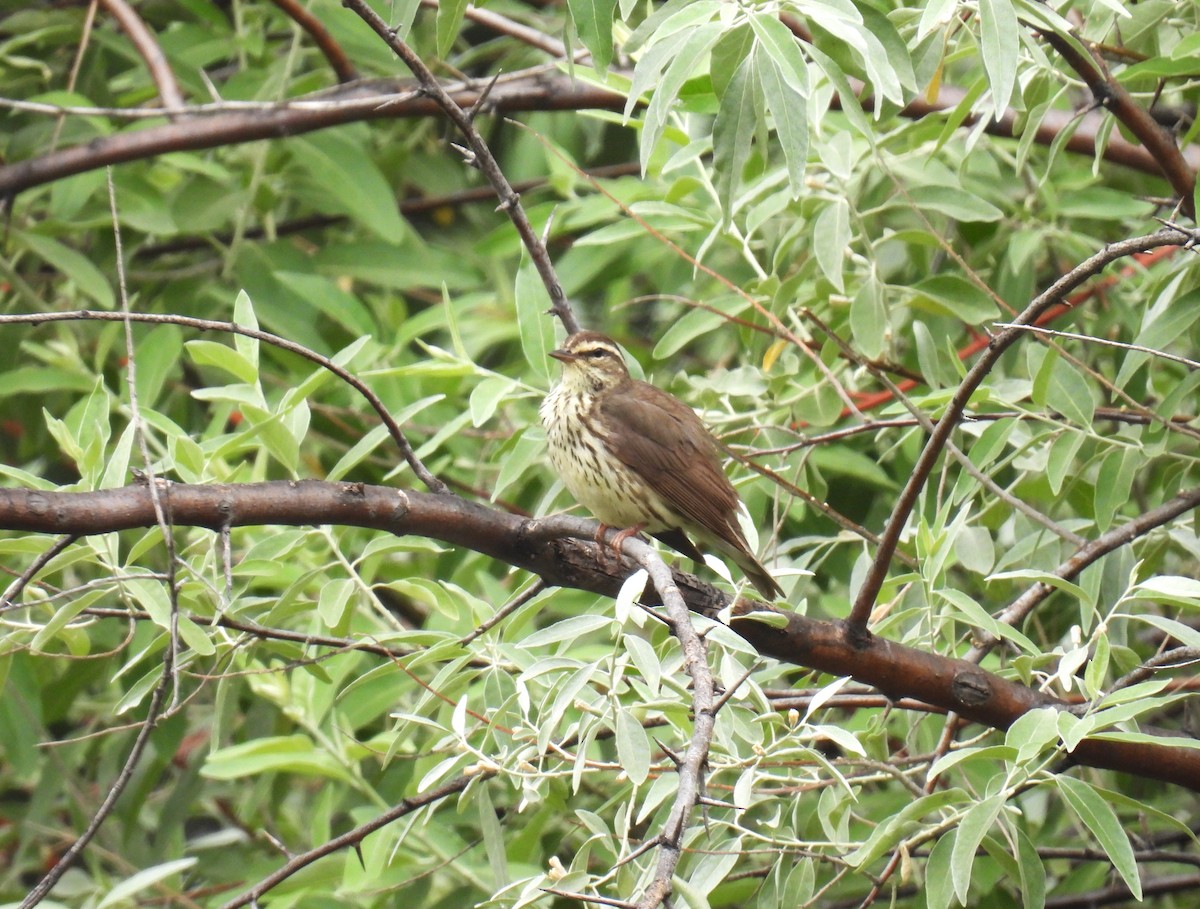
[553,549]
[147,45]
[320,34]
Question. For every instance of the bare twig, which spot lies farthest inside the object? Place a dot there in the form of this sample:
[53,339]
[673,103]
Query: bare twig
[148,47]
[510,201]
[320,34]
[351,838]
[44,558]
[418,468]
[1092,339]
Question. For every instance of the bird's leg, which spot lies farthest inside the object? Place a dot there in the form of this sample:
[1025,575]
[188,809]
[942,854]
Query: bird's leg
[624,535]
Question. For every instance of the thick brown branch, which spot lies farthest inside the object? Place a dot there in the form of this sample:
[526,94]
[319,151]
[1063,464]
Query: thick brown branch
[542,547]
[373,100]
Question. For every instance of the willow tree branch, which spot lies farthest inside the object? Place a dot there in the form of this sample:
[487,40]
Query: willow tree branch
[1056,293]
[480,156]
[553,549]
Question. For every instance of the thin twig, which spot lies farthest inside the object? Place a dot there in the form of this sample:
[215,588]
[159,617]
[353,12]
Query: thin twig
[510,201]
[151,52]
[353,837]
[1091,339]
[15,588]
[432,483]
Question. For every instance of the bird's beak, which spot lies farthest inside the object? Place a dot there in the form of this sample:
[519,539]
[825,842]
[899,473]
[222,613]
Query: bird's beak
[564,356]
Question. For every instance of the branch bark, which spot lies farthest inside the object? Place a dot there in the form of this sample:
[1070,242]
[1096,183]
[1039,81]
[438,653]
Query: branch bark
[553,548]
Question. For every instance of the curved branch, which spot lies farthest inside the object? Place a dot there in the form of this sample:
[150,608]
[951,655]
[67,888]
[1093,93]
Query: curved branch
[999,343]
[1112,96]
[320,34]
[374,100]
[551,548]
[422,472]
[147,45]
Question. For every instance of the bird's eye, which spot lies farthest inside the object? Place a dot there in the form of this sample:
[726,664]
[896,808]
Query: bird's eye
[597,352]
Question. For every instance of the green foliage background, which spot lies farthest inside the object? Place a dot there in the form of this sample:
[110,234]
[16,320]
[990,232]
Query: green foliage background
[907,233]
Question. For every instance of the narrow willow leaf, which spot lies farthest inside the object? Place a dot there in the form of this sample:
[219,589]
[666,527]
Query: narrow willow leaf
[1098,816]
[1000,44]
[633,747]
[971,830]
[733,132]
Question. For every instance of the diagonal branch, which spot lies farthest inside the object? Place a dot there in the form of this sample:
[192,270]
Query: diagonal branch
[481,157]
[999,343]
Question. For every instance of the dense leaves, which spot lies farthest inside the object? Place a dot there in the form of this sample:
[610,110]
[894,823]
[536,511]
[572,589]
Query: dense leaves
[808,220]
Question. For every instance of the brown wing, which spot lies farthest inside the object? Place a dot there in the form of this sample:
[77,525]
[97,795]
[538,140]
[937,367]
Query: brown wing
[663,441]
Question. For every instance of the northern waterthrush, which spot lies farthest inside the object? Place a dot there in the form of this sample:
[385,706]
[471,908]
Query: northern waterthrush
[640,459]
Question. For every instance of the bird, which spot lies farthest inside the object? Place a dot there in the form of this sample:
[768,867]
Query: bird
[639,459]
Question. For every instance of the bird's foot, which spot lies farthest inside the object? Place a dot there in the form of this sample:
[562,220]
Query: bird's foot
[603,548]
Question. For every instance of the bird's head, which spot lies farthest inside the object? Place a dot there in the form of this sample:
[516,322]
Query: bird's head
[591,362]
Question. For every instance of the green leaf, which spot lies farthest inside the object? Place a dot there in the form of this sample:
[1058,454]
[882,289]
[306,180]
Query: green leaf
[143,879]
[633,746]
[535,325]
[869,318]
[971,830]
[1048,578]
[345,178]
[789,107]
[449,21]
[733,132]
[274,754]
[223,357]
[693,48]
[73,265]
[953,295]
[324,296]
[1114,483]
[980,618]
[954,201]
[831,240]
[1059,386]
[593,23]
[1091,808]
[1000,45]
